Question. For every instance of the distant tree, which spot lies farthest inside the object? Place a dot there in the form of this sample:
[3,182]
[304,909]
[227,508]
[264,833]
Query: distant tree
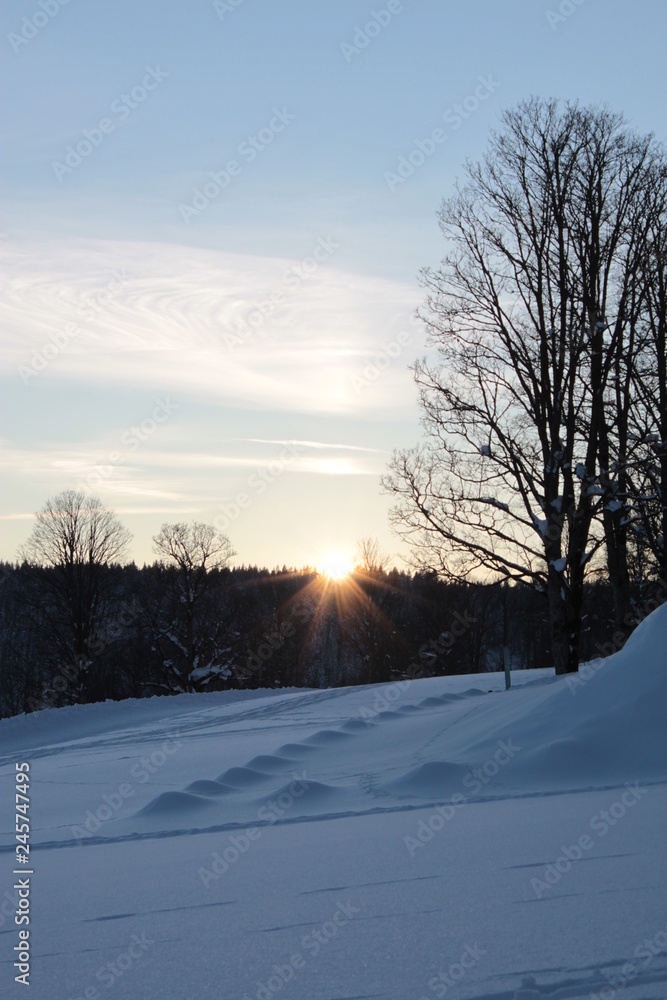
[19,653]
[368,630]
[74,545]
[366,627]
[188,621]
[369,557]
[279,629]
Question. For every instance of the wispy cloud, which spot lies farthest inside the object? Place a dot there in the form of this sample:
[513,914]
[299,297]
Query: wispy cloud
[152,322]
[312,444]
[184,479]
[169,316]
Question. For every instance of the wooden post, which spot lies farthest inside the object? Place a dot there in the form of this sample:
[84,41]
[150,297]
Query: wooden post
[506,657]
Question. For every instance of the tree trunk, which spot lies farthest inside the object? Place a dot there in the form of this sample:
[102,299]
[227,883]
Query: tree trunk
[563,625]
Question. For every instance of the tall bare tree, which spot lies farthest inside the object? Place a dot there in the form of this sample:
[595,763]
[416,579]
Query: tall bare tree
[526,314]
[646,508]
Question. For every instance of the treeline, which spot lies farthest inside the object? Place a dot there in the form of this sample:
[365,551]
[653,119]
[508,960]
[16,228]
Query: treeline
[156,631]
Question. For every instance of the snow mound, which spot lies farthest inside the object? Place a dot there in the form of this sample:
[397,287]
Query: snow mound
[570,760]
[602,726]
[169,805]
[307,797]
[430,779]
[209,789]
[294,749]
[270,762]
[356,725]
[325,737]
[242,777]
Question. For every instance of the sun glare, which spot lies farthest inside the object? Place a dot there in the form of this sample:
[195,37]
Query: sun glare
[335,566]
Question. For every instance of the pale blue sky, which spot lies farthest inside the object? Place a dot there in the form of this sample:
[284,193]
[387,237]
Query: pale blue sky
[308,225]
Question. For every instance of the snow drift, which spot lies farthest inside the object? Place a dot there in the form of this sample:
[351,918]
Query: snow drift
[407,841]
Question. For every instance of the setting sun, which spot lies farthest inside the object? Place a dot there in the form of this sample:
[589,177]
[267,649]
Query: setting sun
[335,566]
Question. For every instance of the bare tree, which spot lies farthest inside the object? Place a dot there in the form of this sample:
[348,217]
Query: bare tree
[189,625]
[527,313]
[645,509]
[73,545]
[370,558]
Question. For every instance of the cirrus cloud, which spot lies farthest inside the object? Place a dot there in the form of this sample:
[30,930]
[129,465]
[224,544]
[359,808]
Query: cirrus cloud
[255,331]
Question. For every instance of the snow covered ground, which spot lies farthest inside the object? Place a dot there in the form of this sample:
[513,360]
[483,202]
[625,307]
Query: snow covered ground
[436,838]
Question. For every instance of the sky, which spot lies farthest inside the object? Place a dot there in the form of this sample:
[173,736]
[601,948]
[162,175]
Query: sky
[214,217]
